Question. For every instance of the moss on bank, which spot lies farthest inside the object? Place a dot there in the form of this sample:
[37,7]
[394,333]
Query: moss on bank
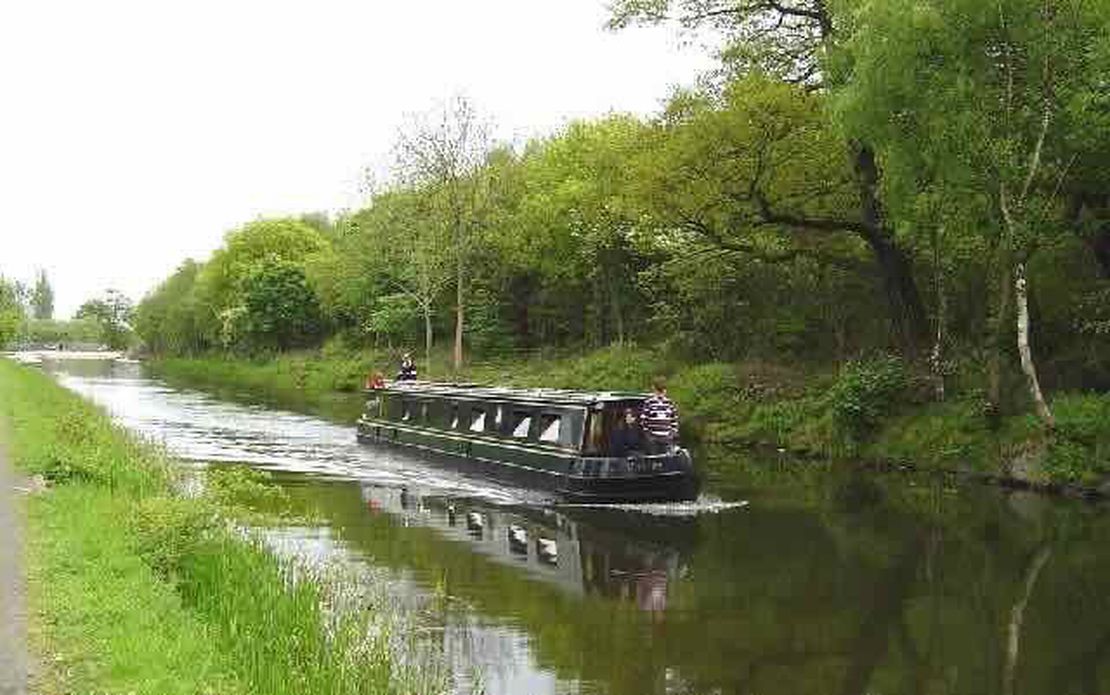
[136,589]
[876,410]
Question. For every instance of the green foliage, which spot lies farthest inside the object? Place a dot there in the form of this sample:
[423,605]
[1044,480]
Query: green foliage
[728,227]
[169,529]
[706,392]
[246,488]
[105,619]
[1079,450]
[11,312]
[54,332]
[258,262]
[170,319]
[281,310]
[113,313]
[42,298]
[69,441]
[275,629]
[864,393]
[114,555]
[1092,314]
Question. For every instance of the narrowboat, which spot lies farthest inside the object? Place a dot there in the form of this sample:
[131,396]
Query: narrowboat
[553,439]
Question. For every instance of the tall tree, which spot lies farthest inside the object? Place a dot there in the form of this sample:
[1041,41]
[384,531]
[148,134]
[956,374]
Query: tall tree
[220,285]
[11,312]
[113,312]
[987,114]
[442,156]
[796,40]
[42,297]
[412,253]
[168,319]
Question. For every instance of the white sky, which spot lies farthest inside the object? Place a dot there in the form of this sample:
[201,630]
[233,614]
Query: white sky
[134,134]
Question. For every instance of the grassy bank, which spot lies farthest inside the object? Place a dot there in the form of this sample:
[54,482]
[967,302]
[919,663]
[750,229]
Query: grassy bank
[135,589]
[878,410]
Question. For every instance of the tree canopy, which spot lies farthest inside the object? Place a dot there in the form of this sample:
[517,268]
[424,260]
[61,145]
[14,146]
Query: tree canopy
[928,178]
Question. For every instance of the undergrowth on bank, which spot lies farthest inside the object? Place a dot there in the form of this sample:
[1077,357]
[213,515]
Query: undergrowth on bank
[137,587]
[878,408]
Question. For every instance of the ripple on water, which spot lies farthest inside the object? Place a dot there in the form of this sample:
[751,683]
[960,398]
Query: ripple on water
[702,505]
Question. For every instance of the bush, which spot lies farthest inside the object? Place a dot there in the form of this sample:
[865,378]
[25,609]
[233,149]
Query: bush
[169,529]
[245,488]
[707,390]
[864,392]
[1080,449]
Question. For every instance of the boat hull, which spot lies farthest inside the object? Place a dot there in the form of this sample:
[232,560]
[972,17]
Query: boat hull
[572,477]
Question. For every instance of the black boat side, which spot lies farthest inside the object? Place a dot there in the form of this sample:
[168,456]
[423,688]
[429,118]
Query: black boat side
[544,438]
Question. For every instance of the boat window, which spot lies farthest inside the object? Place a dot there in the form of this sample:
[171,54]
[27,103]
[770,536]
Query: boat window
[497,420]
[549,428]
[522,422]
[454,416]
[423,412]
[477,420]
[406,410]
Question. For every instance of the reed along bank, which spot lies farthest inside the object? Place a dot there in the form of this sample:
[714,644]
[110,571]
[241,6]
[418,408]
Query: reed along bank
[136,587]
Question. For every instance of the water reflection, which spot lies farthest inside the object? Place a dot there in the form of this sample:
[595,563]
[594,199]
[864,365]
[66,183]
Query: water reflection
[572,549]
[829,582]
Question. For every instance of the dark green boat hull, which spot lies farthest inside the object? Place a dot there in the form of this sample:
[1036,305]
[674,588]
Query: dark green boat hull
[664,477]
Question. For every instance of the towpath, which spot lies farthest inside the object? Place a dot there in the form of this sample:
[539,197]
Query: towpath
[13,611]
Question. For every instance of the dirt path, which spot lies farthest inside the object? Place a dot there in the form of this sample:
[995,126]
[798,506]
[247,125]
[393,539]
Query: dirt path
[13,618]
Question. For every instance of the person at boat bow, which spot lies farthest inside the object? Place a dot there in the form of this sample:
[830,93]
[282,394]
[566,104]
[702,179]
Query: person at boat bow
[375,381]
[408,369]
[659,418]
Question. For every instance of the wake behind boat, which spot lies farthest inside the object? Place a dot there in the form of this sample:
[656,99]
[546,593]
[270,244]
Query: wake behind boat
[553,439]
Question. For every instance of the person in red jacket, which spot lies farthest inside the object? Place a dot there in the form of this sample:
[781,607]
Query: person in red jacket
[375,381]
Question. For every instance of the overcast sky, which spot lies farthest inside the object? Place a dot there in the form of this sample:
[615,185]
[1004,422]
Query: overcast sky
[135,134]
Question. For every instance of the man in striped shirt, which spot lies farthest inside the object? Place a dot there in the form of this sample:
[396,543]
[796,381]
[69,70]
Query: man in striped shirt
[659,418]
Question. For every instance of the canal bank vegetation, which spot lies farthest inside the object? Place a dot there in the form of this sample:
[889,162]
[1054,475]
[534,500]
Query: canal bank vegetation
[138,587]
[879,411]
[899,210]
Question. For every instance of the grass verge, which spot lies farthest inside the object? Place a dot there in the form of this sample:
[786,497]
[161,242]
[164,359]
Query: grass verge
[135,589]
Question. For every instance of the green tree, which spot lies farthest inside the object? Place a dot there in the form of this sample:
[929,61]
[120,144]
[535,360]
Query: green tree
[42,297]
[989,115]
[113,313]
[574,227]
[220,283]
[280,309]
[442,157]
[797,41]
[11,312]
[168,320]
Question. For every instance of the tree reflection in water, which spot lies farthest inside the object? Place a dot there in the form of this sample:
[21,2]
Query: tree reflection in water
[866,585]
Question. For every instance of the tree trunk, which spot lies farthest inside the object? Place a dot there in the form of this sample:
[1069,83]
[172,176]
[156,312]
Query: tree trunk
[1099,244]
[427,341]
[936,358]
[459,296]
[1021,295]
[618,315]
[907,313]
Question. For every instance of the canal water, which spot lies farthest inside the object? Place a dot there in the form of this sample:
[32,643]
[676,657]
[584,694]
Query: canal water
[784,578]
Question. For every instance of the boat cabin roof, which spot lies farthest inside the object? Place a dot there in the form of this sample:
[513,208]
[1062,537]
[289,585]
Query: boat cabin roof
[541,396]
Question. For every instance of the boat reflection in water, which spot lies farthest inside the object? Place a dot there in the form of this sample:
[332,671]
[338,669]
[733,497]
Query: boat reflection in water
[560,547]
